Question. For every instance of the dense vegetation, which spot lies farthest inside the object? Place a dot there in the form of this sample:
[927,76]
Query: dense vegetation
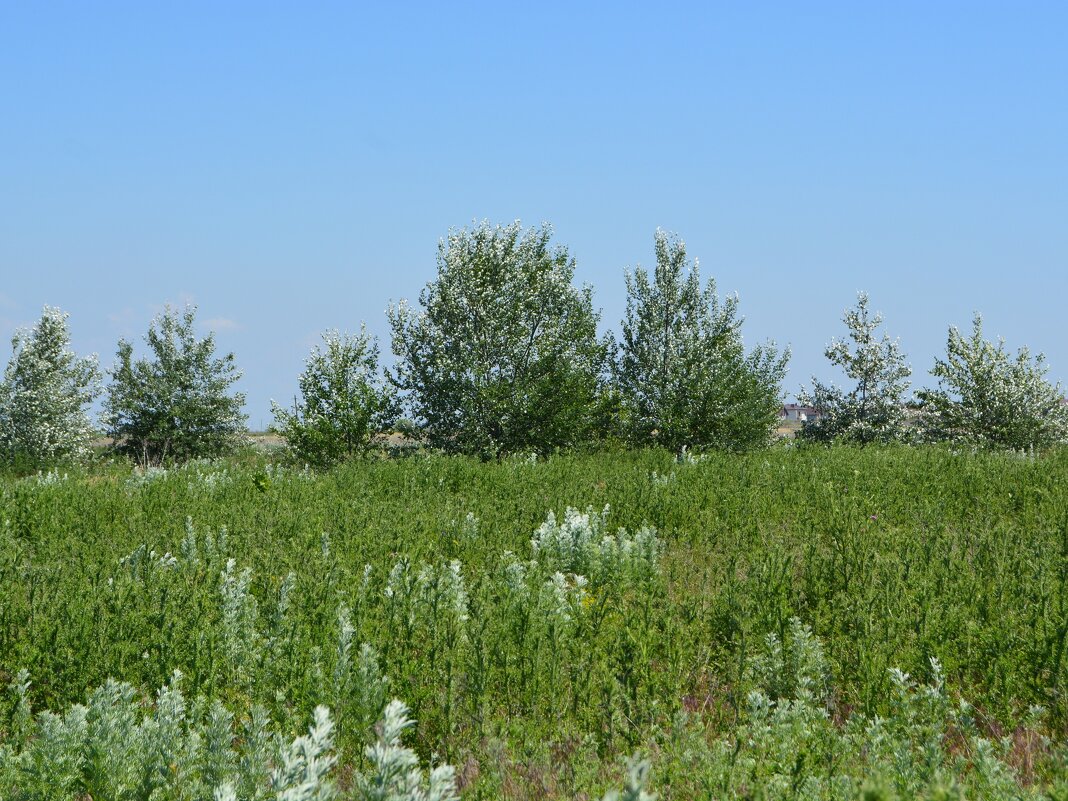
[523,605]
[745,632]
[503,357]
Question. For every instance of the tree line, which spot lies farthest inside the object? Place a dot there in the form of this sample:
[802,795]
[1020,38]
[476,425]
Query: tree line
[502,356]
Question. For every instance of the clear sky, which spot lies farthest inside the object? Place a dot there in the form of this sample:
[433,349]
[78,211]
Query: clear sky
[291,167]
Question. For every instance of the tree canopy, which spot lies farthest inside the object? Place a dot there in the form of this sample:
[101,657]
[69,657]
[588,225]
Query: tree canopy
[683,376]
[176,403]
[873,410]
[45,395]
[343,402]
[503,355]
[987,397]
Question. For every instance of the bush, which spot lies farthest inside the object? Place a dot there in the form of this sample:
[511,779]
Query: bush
[176,404]
[985,397]
[504,356]
[45,394]
[683,377]
[344,402]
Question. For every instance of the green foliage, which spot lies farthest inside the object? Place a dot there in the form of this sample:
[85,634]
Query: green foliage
[176,404]
[986,397]
[535,652]
[44,396]
[503,357]
[792,746]
[874,409]
[344,402]
[683,377]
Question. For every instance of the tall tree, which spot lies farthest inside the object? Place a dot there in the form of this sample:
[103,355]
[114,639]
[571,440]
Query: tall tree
[874,409]
[45,394]
[683,376]
[987,397]
[177,403]
[503,356]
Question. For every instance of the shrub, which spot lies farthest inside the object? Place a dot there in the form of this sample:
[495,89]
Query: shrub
[344,402]
[986,397]
[113,747]
[580,544]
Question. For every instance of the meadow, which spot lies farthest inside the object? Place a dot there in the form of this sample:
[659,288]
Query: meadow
[799,622]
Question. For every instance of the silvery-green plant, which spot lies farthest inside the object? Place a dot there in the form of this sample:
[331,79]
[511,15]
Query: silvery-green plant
[241,649]
[144,476]
[45,394]
[395,773]
[874,409]
[580,544]
[528,593]
[49,479]
[562,595]
[793,667]
[115,747]
[786,744]
[209,478]
[280,472]
[254,761]
[240,639]
[302,772]
[217,758]
[636,785]
[662,480]
[22,715]
[688,457]
[434,596]
[359,686]
[469,527]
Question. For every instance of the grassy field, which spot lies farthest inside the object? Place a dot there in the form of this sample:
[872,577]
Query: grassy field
[748,632]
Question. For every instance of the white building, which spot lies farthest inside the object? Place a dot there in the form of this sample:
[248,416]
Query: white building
[796,413]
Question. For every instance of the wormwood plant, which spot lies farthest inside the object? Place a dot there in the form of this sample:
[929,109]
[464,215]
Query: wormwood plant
[788,744]
[580,544]
[113,747]
[395,773]
[228,641]
[428,610]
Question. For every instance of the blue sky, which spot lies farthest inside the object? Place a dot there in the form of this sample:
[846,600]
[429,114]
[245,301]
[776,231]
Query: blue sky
[291,167]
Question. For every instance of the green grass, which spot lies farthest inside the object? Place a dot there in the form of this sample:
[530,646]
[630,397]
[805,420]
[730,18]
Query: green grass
[890,557]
